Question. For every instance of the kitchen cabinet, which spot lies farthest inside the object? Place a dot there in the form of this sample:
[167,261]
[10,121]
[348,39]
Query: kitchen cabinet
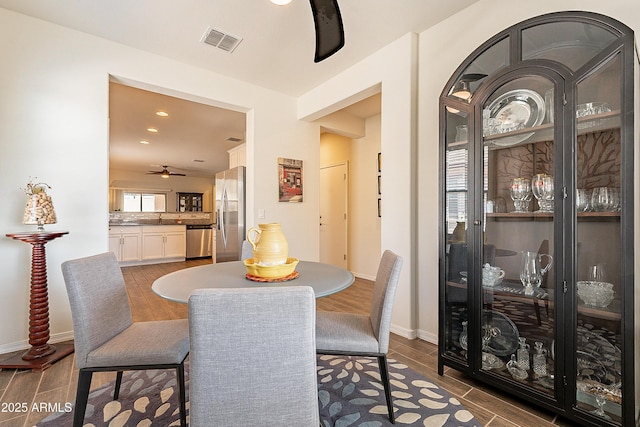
[189,202]
[537,264]
[237,156]
[163,242]
[125,242]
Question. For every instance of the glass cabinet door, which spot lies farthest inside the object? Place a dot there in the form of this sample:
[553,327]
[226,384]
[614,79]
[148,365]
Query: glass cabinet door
[599,252]
[518,194]
[456,200]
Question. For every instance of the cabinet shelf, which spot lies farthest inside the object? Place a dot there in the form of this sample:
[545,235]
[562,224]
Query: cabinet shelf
[588,124]
[549,215]
[544,132]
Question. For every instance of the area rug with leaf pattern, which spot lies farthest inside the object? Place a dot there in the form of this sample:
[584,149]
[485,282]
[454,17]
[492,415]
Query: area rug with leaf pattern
[349,391]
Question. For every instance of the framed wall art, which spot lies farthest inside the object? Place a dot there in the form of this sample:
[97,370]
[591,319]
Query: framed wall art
[289,180]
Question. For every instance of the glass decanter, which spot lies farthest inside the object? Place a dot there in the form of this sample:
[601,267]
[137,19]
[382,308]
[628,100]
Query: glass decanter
[540,360]
[523,354]
[464,336]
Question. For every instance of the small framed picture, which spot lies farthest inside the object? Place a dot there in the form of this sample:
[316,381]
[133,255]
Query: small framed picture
[290,180]
[379,207]
[379,185]
[379,162]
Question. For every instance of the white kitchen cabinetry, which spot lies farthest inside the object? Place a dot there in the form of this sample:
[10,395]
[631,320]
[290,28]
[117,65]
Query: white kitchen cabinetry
[237,156]
[162,242]
[125,243]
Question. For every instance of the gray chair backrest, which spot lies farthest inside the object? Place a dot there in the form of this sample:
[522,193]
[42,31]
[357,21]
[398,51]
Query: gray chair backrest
[247,250]
[384,292]
[99,302]
[252,358]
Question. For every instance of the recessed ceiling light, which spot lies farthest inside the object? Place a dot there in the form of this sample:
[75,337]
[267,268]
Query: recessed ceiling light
[162,114]
[144,142]
[152,130]
[280,2]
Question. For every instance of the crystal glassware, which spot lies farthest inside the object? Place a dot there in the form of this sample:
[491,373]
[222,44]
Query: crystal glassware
[464,336]
[583,200]
[540,360]
[520,192]
[605,199]
[542,187]
[523,354]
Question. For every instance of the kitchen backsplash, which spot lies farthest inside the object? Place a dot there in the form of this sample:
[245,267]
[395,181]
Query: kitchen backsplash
[116,218]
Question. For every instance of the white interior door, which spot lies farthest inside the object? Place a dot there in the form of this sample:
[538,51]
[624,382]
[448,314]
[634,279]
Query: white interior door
[334,181]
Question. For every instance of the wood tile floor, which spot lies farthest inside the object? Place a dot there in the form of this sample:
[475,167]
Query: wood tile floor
[27,397]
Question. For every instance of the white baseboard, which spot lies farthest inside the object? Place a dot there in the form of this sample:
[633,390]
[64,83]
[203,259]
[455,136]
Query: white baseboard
[404,332]
[428,337]
[364,276]
[24,345]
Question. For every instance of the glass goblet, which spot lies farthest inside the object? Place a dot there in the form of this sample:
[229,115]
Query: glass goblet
[542,187]
[520,192]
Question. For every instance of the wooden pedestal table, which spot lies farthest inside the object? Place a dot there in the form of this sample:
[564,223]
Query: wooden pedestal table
[41,354]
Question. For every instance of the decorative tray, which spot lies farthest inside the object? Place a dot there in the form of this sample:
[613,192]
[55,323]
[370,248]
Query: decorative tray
[516,109]
[504,342]
[253,278]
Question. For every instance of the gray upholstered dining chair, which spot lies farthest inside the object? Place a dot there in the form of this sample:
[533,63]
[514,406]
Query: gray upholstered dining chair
[365,334]
[253,359]
[247,250]
[107,339]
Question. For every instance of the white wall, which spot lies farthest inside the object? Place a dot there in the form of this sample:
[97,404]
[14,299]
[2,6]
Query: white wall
[456,38]
[54,110]
[393,69]
[365,225]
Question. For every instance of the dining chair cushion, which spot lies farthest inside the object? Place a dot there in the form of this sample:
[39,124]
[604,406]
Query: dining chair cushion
[144,343]
[338,331]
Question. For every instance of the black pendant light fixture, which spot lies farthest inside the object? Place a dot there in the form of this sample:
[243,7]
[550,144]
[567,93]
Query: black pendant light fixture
[329,29]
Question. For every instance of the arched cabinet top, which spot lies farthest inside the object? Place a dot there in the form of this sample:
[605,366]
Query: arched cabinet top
[569,42]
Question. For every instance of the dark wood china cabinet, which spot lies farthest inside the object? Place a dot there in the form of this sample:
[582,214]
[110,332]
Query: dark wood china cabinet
[539,219]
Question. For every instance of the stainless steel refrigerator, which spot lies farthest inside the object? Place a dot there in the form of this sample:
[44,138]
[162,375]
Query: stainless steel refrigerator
[230,214]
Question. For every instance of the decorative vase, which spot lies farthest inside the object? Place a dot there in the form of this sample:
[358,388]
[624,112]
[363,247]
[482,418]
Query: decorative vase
[269,245]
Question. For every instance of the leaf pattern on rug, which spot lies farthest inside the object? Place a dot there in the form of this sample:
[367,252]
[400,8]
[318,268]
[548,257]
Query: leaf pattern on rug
[417,401]
[349,395]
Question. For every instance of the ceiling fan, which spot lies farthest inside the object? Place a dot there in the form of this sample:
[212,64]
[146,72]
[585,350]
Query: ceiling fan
[328,25]
[164,173]
[329,28]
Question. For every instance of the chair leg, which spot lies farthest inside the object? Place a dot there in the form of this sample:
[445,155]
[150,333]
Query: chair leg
[82,396]
[182,395]
[384,377]
[116,391]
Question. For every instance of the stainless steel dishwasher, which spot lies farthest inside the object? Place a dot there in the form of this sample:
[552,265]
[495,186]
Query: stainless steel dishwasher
[199,240]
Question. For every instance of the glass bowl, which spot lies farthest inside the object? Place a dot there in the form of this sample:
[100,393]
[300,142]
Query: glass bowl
[595,294]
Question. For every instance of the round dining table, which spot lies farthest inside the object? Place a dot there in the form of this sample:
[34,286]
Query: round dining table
[325,279]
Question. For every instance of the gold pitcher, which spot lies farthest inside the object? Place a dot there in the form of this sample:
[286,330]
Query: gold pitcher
[270,247]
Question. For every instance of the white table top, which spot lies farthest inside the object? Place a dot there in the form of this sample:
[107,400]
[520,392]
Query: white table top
[325,279]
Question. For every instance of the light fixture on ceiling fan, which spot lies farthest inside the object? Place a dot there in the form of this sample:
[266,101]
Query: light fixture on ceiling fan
[328,25]
[165,173]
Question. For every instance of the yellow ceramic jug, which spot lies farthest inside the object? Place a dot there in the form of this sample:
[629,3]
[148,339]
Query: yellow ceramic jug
[270,246]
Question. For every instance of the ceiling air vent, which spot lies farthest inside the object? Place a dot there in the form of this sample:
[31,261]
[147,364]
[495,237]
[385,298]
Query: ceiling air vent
[220,39]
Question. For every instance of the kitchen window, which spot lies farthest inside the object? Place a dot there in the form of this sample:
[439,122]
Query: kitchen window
[142,202]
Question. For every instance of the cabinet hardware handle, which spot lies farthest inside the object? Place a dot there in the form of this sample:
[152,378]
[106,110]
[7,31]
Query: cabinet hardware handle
[477,222]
